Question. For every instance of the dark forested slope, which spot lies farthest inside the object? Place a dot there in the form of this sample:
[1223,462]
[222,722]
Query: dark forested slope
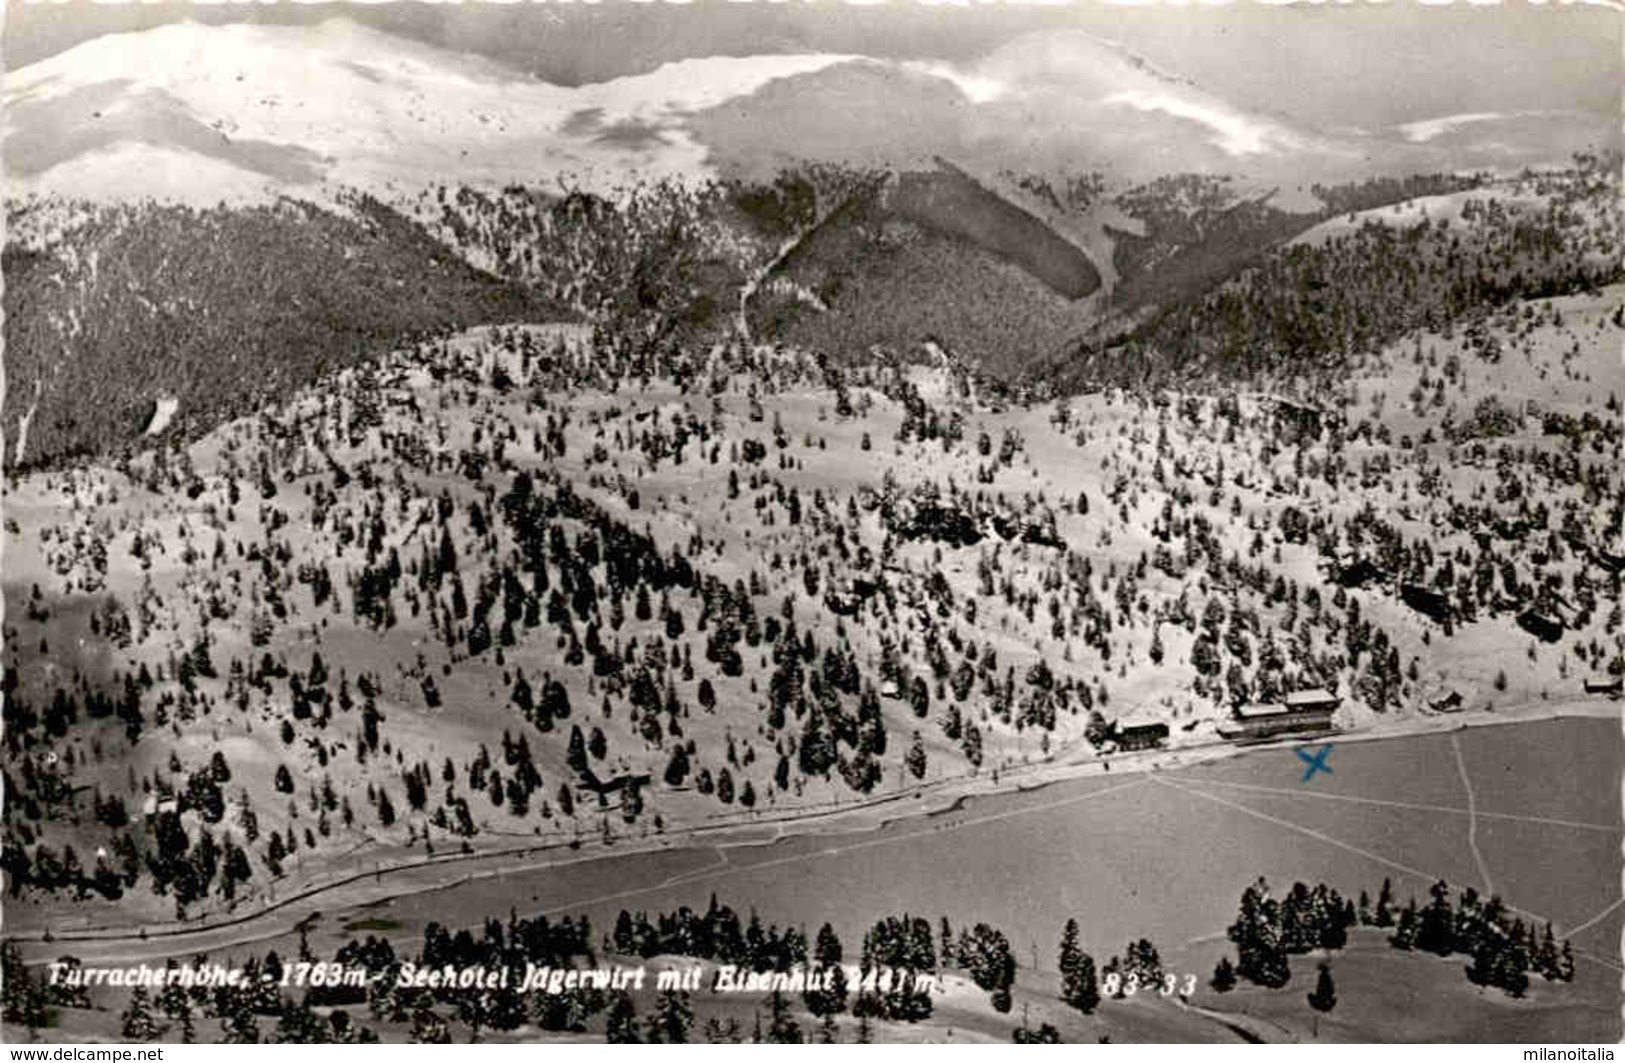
[117,307]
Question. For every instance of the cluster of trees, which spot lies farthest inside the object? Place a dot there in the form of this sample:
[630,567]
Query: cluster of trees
[672,1020]
[186,866]
[26,1001]
[901,947]
[31,727]
[498,944]
[1268,931]
[1374,192]
[1503,949]
[984,953]
[715,934]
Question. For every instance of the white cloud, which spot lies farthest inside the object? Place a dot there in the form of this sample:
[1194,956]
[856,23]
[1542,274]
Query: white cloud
[975,87]
[1427,129]
[1235,133]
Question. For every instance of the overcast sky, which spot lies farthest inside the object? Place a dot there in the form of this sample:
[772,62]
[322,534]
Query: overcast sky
[1362,65]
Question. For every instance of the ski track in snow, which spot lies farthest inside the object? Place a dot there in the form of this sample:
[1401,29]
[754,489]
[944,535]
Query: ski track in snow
[1472,818]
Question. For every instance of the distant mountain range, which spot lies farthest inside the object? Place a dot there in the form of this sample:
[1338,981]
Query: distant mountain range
[1051,198]
[204,113]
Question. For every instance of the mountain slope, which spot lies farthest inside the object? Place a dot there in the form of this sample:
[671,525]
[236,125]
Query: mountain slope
[110,310]
[1355,287]
[889,582]
[927,255]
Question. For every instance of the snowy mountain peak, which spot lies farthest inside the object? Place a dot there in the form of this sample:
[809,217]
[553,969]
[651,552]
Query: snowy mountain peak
[259,109]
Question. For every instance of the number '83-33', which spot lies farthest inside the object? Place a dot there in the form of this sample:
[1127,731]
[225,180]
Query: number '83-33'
[1113,982]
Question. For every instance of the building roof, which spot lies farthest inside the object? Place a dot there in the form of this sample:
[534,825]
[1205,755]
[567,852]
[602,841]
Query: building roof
[1140,723]
[1259,710]
[1312,696]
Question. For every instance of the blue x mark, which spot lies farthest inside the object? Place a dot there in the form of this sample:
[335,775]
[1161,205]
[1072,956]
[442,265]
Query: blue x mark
[1316,762]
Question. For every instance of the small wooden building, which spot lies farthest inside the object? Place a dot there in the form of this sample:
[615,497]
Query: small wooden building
[591,783]
[1430,603]
[1140,732]
[1541,625]
[1449,702]
[1359,573]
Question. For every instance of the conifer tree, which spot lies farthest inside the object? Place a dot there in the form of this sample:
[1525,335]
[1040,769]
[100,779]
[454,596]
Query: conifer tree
[238,1026]
[1258,939]
[1436,931]
[782,1027]
[1482,970]
[672,1019]
[622,1026]
[1546,955]
[1324,998]
[1404,935]
[1384,915]
[915,759]
[827,961]
[1046,1034]
[22,999]
[136,1022]
[428,1028]
[577,755]
[1078,985]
